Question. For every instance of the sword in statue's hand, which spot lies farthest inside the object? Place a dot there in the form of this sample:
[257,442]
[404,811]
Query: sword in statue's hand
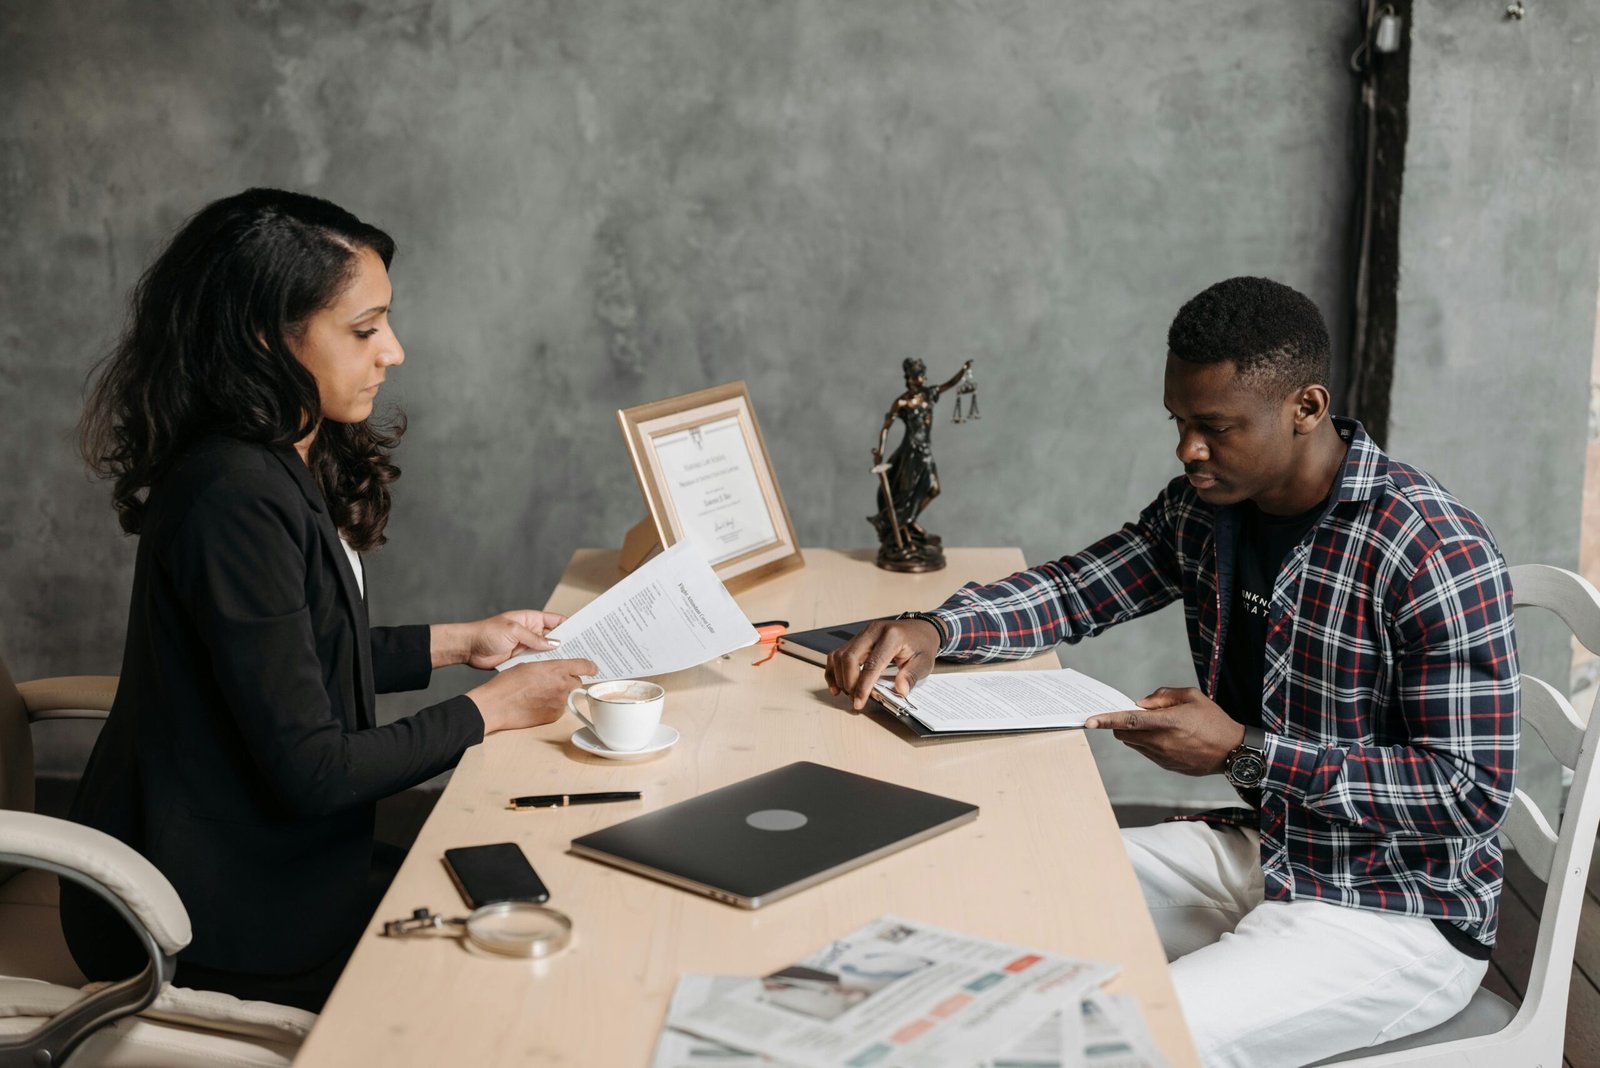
[882,471]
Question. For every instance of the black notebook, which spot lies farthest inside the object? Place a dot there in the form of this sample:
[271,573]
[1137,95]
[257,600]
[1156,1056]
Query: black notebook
[814,646]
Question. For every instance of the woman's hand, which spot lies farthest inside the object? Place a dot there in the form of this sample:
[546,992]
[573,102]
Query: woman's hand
[488,643]
[529,695]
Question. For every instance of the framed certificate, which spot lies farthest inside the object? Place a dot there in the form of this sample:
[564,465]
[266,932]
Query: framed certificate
[706,477]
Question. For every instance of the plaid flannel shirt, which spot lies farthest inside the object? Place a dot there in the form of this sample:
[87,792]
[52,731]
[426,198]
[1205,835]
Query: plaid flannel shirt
[1390,698]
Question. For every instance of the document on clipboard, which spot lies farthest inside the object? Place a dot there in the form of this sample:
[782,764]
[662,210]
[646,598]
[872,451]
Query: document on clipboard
[987,702]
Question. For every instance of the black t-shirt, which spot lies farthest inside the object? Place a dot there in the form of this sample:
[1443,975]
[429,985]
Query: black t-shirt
[1263,542]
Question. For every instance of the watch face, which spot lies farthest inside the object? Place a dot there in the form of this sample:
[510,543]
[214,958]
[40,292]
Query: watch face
[1246,768]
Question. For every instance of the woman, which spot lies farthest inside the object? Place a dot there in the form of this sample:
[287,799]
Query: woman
[242,756]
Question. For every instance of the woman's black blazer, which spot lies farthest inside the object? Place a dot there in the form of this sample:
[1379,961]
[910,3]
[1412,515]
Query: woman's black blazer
[241,755]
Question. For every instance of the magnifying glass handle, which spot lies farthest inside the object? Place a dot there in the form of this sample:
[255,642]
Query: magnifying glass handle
[420,920]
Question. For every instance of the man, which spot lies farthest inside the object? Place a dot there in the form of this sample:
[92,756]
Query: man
[1351,626]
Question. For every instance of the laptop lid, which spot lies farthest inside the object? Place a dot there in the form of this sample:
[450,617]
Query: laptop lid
[766,837]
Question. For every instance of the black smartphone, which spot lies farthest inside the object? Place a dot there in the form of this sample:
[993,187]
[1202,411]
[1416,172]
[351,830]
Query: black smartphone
[488,873]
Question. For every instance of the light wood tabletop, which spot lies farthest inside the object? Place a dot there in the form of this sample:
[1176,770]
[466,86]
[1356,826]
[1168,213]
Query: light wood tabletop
[1042,866]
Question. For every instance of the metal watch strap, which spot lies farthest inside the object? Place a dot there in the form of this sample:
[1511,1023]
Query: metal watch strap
[1253,745]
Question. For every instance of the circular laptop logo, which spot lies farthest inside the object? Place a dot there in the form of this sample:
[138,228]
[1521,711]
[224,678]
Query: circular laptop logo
[776,819]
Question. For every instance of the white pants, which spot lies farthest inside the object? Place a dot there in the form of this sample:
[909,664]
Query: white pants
[1275,984]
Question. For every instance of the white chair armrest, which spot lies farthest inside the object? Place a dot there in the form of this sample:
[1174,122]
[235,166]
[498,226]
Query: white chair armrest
[203,1009]
[35,997]
[115,866]
[212,1010]
[69,697]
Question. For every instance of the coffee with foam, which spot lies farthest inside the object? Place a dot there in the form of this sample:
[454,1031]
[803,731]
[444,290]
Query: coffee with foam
[625,692]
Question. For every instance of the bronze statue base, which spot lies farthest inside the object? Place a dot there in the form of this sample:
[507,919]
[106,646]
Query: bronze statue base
[912,559]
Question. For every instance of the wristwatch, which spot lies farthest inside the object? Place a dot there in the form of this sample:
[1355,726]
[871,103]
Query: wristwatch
[1246,765]
[938,624]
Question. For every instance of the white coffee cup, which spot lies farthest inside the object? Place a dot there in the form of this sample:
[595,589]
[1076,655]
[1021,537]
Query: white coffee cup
[623,713]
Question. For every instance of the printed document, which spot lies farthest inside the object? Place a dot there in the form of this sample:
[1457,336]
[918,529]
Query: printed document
[894,994]
[1107,1031]
[1114,1035]
[679,1049]
[672,613]
[1004,700]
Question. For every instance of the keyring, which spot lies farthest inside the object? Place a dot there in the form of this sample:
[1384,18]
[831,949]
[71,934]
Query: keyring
[508,928]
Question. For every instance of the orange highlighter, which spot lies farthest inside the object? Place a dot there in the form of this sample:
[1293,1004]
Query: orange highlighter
[768,634]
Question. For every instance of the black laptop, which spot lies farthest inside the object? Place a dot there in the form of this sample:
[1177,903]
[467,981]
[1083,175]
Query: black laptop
[766,837]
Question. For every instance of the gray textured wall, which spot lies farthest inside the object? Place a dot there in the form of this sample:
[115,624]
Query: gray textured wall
[1500,247]
[603,202]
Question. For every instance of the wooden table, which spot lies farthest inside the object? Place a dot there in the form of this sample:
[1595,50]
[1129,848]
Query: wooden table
[1042,866]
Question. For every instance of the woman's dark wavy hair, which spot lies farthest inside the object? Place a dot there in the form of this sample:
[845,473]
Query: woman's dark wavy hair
[207,350]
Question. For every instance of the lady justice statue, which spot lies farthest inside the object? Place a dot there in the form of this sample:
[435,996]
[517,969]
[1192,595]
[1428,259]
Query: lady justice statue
[909,482]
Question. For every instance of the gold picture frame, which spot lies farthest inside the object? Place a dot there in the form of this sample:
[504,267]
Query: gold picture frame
[705,473]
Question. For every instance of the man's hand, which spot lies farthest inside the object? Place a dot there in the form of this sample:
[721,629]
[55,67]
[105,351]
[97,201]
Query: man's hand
[909,644]
[1181,730]
[488,643]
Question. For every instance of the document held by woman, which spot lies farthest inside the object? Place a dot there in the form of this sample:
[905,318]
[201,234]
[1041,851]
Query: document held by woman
[670,614]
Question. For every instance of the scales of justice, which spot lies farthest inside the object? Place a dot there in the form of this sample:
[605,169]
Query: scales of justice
[909,481]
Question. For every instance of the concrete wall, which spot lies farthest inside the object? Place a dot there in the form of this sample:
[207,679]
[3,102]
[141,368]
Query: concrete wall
[605,202]
[1500,246]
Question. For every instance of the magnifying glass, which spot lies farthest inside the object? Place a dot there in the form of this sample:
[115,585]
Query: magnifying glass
[506,928]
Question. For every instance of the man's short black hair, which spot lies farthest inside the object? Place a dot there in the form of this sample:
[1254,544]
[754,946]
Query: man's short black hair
[1274,335]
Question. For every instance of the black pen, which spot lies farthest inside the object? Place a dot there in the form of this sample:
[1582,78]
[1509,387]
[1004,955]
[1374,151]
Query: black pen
[563,800]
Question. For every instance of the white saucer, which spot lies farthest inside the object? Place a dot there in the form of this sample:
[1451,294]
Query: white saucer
[665,738]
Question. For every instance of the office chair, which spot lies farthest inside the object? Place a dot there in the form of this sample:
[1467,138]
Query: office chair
[1489,1033]
[30,929]
[46,1012]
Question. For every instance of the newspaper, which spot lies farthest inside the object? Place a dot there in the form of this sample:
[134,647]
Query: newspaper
[1113,1034]
[1045,1046]
[679,1049]
[1106,1032]
[894,994]
[670,614]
